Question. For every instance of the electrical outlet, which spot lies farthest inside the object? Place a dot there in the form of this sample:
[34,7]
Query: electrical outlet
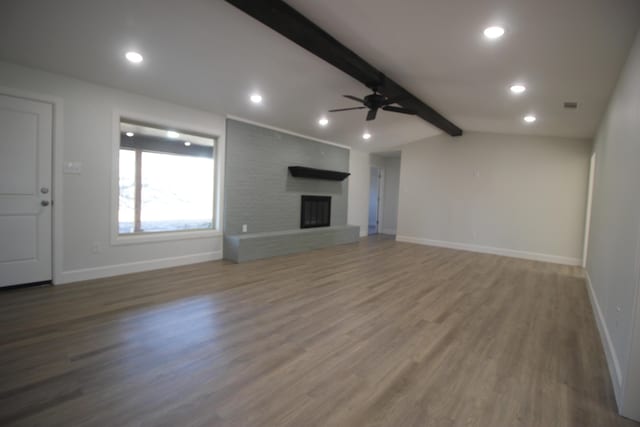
[244,228]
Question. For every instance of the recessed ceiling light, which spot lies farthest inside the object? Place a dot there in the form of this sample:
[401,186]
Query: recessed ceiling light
[366,135]
[256,98]
[173,134]
[130,134]
[494,32]
[187,144]
[323,121]
[530,118]
[518,88]
[134,57]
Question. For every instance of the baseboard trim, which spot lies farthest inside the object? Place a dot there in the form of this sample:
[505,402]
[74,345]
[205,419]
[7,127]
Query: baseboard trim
[135,267]
[491,250]
[610,352]
[390,231]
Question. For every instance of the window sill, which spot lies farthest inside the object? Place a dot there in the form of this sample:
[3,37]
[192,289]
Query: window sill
[135,239]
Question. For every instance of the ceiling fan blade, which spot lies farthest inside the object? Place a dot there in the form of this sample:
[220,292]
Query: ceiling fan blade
[346,109]
[371,115]
[354,98]
[398,110]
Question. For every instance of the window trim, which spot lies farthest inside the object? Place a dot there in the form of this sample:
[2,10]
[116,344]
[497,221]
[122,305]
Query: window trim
[118,239]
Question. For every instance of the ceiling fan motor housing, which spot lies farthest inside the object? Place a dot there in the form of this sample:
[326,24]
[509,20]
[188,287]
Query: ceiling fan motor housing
[375,101]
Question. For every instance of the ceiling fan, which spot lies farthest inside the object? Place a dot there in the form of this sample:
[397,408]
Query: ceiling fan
[374,102]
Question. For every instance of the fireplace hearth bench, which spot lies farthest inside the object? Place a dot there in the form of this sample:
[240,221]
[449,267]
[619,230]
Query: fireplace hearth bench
[251,246]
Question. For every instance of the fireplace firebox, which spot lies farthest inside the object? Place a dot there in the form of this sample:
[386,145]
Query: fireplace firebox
[315,211]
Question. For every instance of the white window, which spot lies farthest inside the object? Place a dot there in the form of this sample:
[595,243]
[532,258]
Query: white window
[166,180]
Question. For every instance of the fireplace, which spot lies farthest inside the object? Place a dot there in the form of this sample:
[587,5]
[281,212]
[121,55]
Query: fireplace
[315,211]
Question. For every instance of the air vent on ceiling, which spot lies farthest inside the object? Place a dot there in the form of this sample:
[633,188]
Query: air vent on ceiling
[571,105]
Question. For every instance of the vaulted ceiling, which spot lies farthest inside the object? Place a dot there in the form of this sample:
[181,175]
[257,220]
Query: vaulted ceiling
[207,54]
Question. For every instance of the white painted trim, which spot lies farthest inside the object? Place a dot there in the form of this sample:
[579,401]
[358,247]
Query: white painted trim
[629,404]
[300,135]
[609,350]
[587,221]
[136,267]
[57,247]
[140,238]
[390,231]
[221,162]
[491,250]
[117,239]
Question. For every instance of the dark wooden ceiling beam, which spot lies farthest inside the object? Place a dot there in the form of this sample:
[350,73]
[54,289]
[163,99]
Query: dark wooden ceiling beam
[284,19]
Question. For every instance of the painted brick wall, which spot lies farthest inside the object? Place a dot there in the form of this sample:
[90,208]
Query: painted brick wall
[260,192]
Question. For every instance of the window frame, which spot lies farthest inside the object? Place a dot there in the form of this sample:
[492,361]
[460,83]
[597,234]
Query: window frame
[160,236]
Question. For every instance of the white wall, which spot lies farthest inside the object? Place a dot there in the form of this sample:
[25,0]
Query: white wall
[376,160]
[84,119]
[358,202]
[390,200]
[613,259]
[513,195]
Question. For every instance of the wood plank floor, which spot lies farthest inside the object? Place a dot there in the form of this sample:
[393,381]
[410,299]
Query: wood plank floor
[378,333]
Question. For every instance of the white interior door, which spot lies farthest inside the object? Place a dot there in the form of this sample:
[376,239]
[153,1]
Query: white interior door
[25,191]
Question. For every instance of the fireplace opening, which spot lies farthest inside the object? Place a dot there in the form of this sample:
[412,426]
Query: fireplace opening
[315,212]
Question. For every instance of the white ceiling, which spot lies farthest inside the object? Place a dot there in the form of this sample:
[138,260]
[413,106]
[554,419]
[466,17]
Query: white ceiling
[207,54]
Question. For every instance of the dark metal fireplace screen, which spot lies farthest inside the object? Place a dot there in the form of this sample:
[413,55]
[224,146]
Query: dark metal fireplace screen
[315,212]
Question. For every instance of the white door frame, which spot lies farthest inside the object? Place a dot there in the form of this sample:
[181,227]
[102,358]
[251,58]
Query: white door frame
[56,172]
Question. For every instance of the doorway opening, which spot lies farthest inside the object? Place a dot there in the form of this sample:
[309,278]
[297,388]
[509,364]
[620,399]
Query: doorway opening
[375,200]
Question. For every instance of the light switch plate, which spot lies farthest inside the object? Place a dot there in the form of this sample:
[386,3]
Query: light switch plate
[72,168]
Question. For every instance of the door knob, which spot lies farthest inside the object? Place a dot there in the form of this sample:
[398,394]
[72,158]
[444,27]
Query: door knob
[44,203]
